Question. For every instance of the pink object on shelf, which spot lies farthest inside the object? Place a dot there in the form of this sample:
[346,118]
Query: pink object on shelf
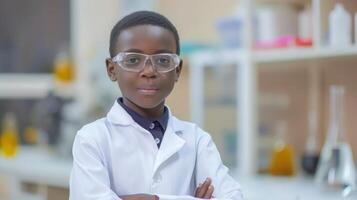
[283,42]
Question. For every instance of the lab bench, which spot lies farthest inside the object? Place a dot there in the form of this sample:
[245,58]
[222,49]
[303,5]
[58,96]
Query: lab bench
[51,172]
[36,166]
[289,188]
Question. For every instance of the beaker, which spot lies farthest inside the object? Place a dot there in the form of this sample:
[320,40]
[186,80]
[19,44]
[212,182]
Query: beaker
[336,166]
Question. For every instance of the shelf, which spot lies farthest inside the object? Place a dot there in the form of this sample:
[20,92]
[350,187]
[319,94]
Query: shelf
[270,100]
[296,54]
[211,58]
[31,86]
[294,2]
[226,56]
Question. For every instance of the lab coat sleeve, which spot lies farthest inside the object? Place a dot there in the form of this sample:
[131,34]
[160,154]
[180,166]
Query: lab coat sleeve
[89,178]
[209,164]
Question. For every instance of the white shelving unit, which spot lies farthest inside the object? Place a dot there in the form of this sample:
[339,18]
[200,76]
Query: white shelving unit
[32,86]
[48,170]
[296,54]
[247,60]
[86,42]
[25,85]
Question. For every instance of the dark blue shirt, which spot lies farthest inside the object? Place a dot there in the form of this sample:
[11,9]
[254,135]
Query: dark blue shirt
[156,127]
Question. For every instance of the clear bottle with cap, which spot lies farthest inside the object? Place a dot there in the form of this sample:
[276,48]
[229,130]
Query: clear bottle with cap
[340,27]
[336,166]
[9,135]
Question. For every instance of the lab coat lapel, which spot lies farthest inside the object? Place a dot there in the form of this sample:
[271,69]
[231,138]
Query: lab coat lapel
[171,143]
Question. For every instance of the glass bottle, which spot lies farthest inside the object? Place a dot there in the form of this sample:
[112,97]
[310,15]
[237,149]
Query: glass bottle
[9,135]
[63,68]
[310,155]
[336,167]
[31,135]
[282,160]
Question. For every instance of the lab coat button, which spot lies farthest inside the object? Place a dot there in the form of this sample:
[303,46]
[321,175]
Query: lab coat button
[157,140]
[152,126]
[154,184]
[157,179]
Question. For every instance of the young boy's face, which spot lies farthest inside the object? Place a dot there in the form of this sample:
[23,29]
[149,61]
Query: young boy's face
[147,88]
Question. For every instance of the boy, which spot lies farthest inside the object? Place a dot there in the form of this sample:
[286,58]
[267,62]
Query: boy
[139,151]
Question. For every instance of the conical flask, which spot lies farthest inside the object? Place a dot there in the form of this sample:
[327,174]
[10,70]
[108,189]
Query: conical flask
[282,161]
[336,166]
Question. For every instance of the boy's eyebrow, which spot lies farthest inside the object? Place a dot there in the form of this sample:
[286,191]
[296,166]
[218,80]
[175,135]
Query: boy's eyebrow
[156,52]
[134,50]
[163,51]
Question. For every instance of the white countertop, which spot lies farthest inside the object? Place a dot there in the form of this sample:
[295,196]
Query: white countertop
[42,167]
[37,165]
[289,188]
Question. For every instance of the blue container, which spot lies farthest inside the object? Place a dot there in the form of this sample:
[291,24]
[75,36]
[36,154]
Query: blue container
[230,31]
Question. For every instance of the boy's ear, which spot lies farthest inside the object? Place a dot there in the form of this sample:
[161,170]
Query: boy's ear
[178,70]
[110,69]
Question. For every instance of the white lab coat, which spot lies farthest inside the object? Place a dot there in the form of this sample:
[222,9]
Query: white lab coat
[114,156]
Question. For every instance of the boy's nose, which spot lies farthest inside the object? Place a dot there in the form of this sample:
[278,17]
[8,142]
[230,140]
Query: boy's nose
[149,69]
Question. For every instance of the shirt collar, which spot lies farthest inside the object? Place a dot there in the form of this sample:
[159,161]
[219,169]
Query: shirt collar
[118,116]
[145,122]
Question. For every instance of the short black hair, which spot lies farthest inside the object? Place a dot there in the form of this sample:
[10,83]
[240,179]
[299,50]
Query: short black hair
[141,18]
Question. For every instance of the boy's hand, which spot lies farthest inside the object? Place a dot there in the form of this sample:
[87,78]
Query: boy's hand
[139,197]
[205,190]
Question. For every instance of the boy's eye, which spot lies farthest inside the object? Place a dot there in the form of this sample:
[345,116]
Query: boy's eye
[163,61]
[132,60]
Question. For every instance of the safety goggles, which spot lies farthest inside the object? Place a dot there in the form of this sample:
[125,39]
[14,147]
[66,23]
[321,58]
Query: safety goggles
[135,62]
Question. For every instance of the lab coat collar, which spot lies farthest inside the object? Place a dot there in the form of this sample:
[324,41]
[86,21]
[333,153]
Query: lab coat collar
[118,115]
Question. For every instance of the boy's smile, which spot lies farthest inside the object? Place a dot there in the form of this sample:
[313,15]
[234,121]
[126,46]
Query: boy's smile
[145,91]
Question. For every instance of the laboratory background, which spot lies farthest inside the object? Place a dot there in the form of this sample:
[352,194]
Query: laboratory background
[273,81]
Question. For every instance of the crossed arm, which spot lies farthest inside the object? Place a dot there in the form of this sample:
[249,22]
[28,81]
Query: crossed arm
[208,161]
[203,191]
